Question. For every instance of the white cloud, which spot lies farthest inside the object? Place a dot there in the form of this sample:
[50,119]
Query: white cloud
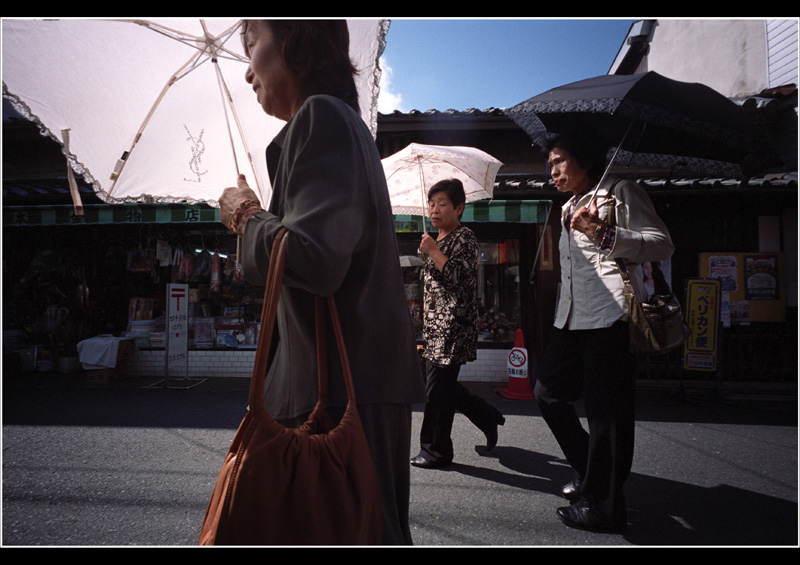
[388,101]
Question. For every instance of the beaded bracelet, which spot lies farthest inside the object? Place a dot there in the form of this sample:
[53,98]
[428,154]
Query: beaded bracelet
[607,242]
[243,213]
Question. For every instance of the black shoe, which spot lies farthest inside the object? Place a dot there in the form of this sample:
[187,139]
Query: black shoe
[491,433]
[571,490]
[583,516]
[425,463]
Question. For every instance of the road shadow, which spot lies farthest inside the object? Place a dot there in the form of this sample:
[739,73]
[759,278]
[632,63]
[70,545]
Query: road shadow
[144,408]
[675,405]
[665,512]
[660,511]
[527,470]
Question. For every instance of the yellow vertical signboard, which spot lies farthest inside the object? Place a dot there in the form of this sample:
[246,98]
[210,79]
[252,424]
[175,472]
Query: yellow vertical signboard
[700,351]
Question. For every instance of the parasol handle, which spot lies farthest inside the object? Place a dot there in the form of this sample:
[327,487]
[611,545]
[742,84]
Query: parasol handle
[422,190]
[611,162]
[77,203]
[541,240]
[222,93]
[420,254]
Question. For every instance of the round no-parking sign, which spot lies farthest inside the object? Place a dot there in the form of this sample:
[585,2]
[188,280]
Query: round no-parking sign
[518,362]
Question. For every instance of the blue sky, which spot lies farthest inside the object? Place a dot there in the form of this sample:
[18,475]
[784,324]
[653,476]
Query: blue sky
[481,63]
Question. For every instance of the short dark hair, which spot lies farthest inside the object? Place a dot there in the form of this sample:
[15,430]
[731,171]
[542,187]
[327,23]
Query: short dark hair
[454,189]
[589,149]
[318,53]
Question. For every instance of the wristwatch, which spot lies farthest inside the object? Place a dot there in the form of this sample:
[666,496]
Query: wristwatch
[598,232]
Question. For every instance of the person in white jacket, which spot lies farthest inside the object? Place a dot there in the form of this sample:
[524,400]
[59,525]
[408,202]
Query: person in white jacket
[587,353]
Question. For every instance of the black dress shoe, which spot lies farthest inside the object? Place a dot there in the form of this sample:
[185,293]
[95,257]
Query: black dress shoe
[491,433]
[570,491]
[583,516]
[425,463]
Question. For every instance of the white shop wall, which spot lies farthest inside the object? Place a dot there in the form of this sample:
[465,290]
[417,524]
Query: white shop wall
[490,366]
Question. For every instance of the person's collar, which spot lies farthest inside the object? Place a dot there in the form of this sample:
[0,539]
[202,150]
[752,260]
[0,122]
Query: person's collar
[577,197]
[274,149]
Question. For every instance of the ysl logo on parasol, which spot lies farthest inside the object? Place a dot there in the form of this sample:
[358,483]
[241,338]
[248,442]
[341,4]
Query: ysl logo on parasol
[197,148]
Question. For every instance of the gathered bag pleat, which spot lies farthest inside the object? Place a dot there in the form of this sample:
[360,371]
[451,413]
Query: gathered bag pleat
[312,485]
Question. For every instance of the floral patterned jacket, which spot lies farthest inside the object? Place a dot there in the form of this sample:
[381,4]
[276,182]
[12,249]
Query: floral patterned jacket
[450,303]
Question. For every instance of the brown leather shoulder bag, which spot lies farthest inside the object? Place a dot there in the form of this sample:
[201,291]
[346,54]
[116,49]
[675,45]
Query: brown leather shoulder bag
[312,485]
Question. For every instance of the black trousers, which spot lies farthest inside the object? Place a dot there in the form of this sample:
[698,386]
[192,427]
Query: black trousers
[598,365]
[445,396]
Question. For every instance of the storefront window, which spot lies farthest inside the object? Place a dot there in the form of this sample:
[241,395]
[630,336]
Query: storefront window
[498,291]
[498,287]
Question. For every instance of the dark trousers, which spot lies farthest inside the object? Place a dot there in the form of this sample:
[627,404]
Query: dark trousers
[597,364]
[445,396]
[388,431]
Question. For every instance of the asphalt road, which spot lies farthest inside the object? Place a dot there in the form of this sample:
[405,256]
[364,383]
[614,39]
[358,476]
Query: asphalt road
[122,465]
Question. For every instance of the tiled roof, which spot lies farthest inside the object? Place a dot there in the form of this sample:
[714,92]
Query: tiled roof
[44,192]
[768,99]
[55,191]
[471,112]
[787,181]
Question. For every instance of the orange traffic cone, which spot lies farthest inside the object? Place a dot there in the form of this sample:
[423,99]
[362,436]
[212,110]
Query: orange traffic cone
[519,385]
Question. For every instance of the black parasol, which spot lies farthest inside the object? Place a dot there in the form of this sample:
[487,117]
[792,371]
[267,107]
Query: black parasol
[664,123]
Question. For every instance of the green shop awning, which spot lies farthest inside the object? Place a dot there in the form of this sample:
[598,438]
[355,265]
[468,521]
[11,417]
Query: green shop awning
[495,211]
[491,211]
[110,214]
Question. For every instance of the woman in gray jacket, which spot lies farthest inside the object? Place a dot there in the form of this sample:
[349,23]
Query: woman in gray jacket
[329,192]
[588,353]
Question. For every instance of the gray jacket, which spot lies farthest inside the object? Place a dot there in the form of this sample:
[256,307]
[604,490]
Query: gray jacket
[329,191]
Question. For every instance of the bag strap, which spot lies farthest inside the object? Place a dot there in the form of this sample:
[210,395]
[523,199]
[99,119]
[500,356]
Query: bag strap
[322,350]
[611,218]
[269,313]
